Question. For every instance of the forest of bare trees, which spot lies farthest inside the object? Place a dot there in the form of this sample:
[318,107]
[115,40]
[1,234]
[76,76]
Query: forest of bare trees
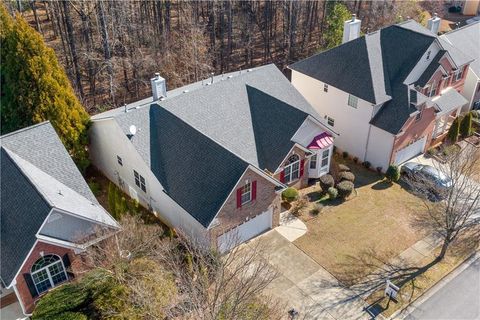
[110,49]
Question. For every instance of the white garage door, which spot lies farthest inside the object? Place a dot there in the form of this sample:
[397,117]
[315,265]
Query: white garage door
[411,151]
[245,231]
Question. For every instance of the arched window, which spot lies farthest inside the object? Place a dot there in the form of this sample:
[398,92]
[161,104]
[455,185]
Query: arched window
[292,168]
[47,272]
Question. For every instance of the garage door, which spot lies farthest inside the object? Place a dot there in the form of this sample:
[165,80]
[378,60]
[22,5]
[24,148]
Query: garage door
[245,231]
[411,151]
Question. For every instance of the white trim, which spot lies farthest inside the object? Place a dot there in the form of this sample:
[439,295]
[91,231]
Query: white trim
[46,268]
[19,299]
[290,166]
[310,154]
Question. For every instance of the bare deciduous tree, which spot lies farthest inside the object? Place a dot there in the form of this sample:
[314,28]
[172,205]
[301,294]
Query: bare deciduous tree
[455,210]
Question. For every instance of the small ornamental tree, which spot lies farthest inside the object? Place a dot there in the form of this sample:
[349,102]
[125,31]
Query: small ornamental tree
[348,176]
[466,125]
[393,173]
[332,193]
[337,15]
[454,131]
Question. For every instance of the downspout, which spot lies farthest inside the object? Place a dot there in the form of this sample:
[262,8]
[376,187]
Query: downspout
[20,300]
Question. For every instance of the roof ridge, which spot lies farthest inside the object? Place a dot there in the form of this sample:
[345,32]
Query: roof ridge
[25,129]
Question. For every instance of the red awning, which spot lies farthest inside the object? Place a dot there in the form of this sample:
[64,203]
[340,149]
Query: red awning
[321,141]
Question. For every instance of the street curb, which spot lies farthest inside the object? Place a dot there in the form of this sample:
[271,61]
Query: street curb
[436,287]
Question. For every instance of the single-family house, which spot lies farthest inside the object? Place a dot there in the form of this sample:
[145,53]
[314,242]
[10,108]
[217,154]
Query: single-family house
[48,215]
[210,159]
[389,94]
[467,40]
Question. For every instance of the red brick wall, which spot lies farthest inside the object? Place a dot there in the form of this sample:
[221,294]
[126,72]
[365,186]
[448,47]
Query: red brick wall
[449,82]
[303,181]
[230,216]
[415,130]
[22,287]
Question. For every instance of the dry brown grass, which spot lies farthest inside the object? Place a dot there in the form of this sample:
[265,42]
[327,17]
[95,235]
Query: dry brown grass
[379,219]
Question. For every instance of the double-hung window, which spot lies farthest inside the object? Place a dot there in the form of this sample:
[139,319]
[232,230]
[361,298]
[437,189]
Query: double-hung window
[119,160]
[458,74]
[330,121]
[352,101]
[140,181]
[325,87]
[313,162]
[432,90]
[246,193]
[292,168]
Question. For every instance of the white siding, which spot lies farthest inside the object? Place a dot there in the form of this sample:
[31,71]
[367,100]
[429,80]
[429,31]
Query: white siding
[422,64]
[380,148]
[470,89]
[350,123]
[108,141]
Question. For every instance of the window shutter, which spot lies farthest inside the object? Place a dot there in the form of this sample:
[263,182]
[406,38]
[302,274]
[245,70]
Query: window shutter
[302,167]
[282,176]
[239,197]
[254,190]
[30,284]
[67,264]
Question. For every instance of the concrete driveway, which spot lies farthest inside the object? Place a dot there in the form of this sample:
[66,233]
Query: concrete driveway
[304,285]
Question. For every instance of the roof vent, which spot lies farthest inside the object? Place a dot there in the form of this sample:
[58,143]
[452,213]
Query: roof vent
[133,130]
[159,87]
[125,106]
[249,70]
[230,77]
[185,91]
[351,29]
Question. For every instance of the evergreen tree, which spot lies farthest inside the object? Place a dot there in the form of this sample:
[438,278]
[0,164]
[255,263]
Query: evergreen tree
[466,125]
[35,87]
[454,131]
[338,14]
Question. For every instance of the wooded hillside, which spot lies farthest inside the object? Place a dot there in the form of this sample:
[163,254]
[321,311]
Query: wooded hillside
[110,49]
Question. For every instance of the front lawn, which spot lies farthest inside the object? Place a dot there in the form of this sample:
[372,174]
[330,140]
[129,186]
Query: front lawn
[352,238]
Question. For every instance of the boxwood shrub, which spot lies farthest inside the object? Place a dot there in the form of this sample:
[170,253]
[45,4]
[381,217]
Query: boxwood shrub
[342,168]
[348,176]
[326,181]
[290,194]
[393,173]
[332,193]
[345,188]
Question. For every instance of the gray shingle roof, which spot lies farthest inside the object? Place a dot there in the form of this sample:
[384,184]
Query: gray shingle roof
[466,41]
[23,211]
[374,67]
[195,172]
[40,145]
[449,101]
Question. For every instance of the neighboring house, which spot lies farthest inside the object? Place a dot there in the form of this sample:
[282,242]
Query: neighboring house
[467,40]
[211,158]
[389,94]
[48,215]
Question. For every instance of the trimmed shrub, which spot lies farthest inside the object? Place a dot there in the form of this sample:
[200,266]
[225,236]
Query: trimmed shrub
[466,125]
[348,176]
[345,188]
[332,193]
[475,114]
[431,151]
[290,194]
[298,206]
[345,154]
[326,181]
[379,169]
[393,173]
[367,164]
[454,131]
[343,168]
[355,159]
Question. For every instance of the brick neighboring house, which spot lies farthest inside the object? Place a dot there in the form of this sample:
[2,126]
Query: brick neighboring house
[48,215]
[390,94]
[211,158]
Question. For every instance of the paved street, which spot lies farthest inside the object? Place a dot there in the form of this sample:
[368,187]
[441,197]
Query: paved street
[459,299]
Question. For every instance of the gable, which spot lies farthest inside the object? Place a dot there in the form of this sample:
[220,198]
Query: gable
[196,172]
[23,211]
[274,123]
